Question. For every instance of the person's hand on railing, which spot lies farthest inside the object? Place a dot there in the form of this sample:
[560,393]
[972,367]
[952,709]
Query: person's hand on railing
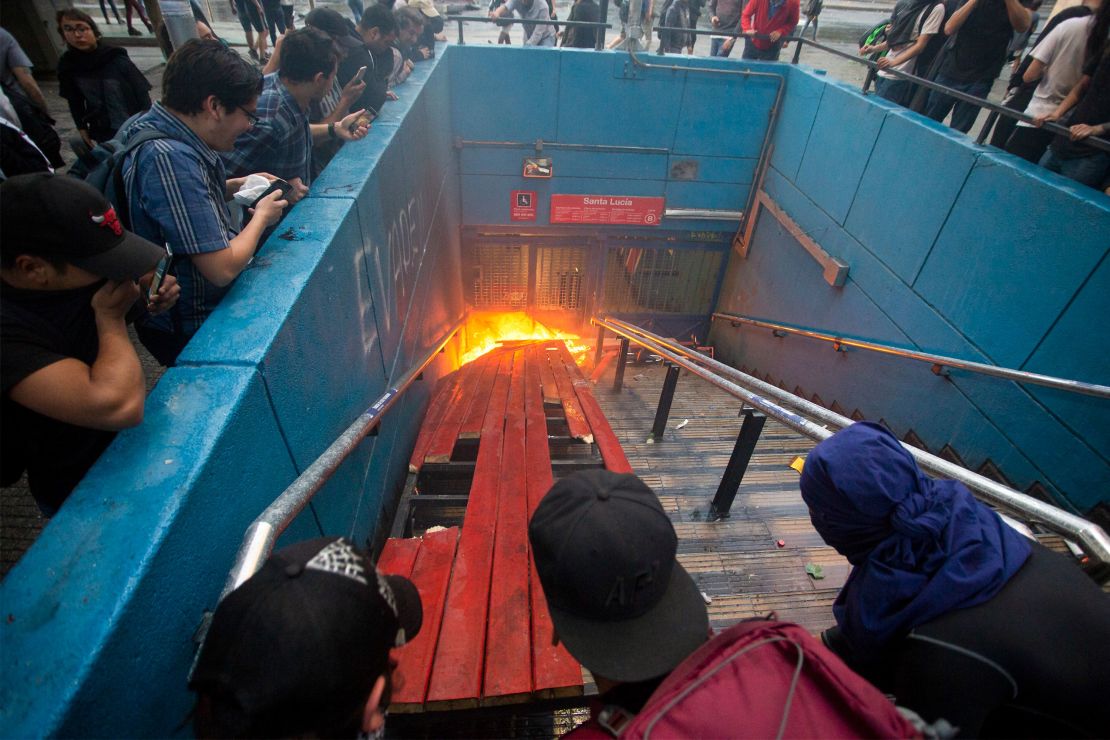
[774,36]
[1083,130]
[1039,121]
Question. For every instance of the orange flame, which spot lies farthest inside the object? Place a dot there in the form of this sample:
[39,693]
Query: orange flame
[486,331]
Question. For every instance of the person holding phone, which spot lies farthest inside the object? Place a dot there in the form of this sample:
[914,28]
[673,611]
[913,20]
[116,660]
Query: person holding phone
[281,140]
[177,187]
[71,377]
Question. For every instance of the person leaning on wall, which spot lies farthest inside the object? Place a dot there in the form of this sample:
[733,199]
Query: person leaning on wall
[71,377]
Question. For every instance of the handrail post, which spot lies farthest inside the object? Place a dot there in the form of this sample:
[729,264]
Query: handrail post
[742,452]
[622,360]
[664,409]
[600,344]
[461,42]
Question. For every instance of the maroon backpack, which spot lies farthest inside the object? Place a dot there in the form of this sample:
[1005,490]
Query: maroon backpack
[761,679]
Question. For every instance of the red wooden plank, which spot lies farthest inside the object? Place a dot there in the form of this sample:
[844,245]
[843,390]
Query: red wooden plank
[577,425]
[443,441]
[431,574]
[612,454]
[436,408]
[553,669]
[547,377]
[508,673]
[398,556]
[457,670]
[471,427]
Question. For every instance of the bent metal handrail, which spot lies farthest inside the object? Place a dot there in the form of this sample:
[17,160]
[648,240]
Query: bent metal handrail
[1091,537]
[258,542]
[937,361]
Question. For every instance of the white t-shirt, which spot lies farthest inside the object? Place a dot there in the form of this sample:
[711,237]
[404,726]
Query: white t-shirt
[1062,54]
[931,26]
[534,35]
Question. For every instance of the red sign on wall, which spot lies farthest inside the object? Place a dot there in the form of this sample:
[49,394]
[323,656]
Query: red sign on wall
[606,209]
[522,207]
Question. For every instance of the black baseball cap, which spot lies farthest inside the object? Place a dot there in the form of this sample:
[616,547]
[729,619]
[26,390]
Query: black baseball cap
[297,648]
[334,25]
[61,218]
[620,602]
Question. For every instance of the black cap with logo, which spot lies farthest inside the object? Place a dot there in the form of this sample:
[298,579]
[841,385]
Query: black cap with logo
[61,218]
[620,602]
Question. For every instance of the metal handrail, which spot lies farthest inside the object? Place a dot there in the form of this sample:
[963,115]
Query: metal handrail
[1094,141]
[937,361]
[1092,537]
[258,542]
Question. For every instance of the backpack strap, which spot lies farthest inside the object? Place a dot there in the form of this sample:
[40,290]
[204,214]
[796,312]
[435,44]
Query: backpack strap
[123,207]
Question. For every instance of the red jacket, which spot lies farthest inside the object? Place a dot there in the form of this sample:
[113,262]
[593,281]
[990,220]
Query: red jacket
[755,18]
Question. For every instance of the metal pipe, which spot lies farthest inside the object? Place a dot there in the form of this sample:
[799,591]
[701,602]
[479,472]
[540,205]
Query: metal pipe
[1017,115]
[772,119]
[691,214]
[258,542]
[460,143]
[1019,376]
[1091,536]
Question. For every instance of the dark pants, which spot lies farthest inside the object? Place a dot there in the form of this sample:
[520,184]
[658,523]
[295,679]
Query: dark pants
[1029,143]
[275,19]
[963,114]
[248,16]
[164,346]
[896,91]
[766,55]
[1003,127]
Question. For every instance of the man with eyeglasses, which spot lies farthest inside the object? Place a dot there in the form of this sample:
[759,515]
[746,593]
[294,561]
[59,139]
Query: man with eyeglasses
[282,139]
[177,187]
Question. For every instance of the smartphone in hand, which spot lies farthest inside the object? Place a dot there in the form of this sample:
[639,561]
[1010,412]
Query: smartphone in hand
[159,274]
[277,185]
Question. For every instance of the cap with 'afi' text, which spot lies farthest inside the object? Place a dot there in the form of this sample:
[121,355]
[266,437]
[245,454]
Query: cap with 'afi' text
[620,602]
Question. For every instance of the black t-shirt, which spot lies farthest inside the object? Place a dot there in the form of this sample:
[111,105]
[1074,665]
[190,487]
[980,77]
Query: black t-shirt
[582,37]
[373,97]
[37,329]
[1093,108]
[979,50]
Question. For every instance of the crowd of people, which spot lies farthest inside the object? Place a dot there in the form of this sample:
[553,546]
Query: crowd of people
[176,198]
[1063,78]
[967,626]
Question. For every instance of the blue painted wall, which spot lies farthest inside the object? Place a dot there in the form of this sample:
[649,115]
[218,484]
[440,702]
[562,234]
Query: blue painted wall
[359,281]
[717,122]
[953,249]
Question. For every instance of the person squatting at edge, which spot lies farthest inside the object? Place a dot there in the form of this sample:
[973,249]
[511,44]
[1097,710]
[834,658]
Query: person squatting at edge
[592,530]
[301,649]
[177,188]
[947,607]
[71,377]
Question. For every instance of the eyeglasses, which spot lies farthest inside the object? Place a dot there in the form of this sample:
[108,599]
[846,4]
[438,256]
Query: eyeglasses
[76,29]
[252,118]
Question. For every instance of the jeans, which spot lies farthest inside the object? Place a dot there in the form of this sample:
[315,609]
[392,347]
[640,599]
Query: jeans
[1092,170]
[964,115]
[751,51]
[715,49]
[896,91]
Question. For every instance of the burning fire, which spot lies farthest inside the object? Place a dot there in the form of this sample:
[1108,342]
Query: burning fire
[486,331]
